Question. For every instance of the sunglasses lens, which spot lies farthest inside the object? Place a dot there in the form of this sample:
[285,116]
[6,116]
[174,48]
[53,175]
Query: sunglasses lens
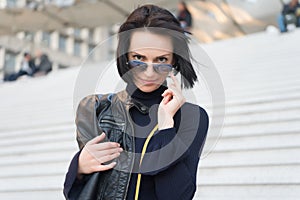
[141,66]
[137,64]
[163,68]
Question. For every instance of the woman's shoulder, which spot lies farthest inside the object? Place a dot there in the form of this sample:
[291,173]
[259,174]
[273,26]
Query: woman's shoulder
[98,97]
[93,101]
[94,98]
[194,108]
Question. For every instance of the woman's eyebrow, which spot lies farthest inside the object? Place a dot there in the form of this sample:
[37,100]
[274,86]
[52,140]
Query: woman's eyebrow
[136,53]
[168,54]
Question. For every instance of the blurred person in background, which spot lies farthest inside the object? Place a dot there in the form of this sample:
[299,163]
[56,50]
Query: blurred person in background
[184,16]
[44,65]
[145,141]
[290,14]
[27,68]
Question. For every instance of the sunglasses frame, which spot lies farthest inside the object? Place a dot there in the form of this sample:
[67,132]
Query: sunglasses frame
[155,66]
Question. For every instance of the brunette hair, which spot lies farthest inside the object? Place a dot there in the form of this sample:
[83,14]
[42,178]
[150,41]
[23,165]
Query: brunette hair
[161,21]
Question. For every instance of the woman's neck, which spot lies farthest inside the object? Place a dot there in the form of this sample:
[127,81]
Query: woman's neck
[148,98]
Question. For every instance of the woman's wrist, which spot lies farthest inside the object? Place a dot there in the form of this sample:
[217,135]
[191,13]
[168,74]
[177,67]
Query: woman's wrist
[79,172]
[166,123]
[79,176]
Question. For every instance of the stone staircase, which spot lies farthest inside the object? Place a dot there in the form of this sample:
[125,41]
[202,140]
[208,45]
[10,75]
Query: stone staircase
[256,157]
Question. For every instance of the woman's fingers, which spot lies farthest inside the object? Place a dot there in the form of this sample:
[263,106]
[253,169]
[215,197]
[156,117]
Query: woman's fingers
[106,145]
[106,167]
[92,160]
[97,139]
[167,98]
[173,92]
[101,153]
[107,158]
[168,91]
[95,153]
[175,81]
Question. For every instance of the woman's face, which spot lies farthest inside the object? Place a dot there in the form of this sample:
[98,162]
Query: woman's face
[150,48]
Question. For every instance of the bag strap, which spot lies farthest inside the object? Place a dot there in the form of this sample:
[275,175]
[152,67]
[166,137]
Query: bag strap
[138,183]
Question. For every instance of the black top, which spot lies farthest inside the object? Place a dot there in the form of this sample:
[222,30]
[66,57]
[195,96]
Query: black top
[175,179]
[143,124]
[290,10]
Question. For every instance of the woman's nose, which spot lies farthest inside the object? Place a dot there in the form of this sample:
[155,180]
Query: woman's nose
[149,70]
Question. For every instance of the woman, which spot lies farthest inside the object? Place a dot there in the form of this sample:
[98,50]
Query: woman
[143,142]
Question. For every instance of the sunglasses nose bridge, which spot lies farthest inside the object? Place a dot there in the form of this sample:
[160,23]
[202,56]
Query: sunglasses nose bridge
[150,68]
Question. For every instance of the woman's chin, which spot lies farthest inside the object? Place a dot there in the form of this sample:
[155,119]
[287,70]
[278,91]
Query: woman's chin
[148,87]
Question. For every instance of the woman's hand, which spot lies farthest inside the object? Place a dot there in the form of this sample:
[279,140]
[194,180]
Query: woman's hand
[94,154]
[173,99]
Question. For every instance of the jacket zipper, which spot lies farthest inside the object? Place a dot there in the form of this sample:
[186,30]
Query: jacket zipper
[113,123]
[133,148]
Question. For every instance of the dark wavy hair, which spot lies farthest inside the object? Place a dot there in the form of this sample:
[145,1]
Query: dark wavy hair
[161,21]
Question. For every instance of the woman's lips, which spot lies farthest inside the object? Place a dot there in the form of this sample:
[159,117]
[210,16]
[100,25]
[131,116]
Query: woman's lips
[148,82]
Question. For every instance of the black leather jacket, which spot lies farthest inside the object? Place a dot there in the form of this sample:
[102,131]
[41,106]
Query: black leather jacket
[108,113]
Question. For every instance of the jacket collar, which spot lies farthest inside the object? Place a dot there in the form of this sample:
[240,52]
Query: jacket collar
[129,102]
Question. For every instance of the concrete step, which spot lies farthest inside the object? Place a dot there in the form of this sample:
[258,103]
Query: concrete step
[275,106]
[267,175]
[38,139]
[258,142]
[39,183]
[37,148]
[48,194]
[264,99]
[33,131]
[262,157]
[263,118]
[32,125]
[248,192]
[34,170]
[283,87]
[253,129]
[38,158]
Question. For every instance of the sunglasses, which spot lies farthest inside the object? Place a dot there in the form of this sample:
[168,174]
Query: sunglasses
[142,66]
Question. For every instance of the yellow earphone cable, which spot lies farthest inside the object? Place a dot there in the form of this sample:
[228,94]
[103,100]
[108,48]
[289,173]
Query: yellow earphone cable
[142,156]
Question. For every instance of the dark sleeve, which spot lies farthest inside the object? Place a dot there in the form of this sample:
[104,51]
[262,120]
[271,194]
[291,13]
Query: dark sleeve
[86,129]
[189,20]
[73,185]
[287,10]
[32,65]
[71,181]
[169,146]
